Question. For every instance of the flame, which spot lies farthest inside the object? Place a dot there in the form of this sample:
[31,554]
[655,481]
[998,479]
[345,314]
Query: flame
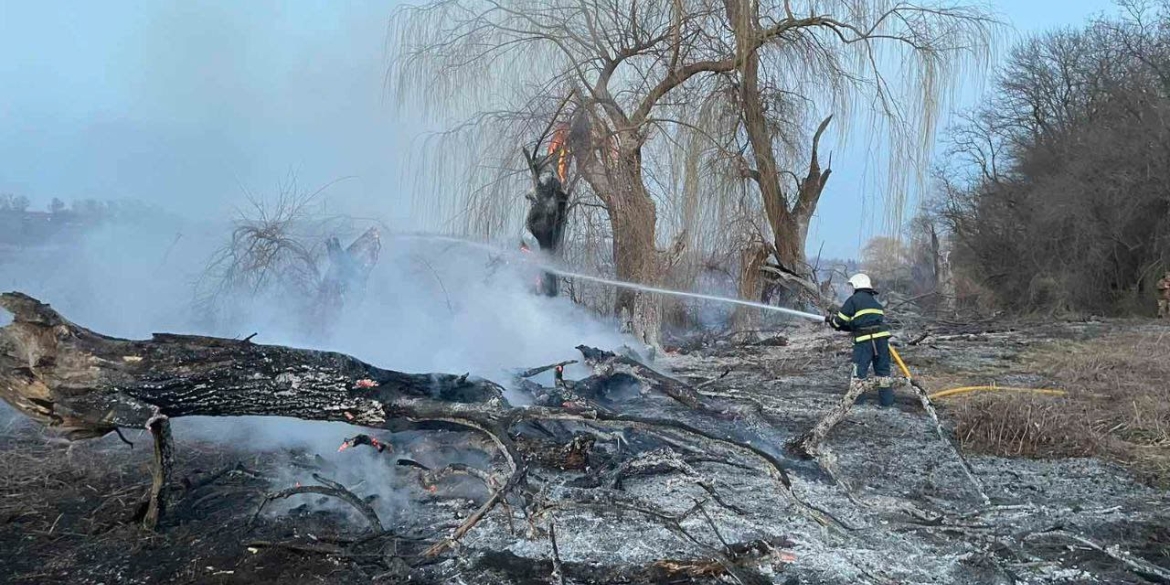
[558,147]
[365,383]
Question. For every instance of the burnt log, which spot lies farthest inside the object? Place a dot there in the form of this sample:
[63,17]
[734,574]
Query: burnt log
[86,384]
[608,367]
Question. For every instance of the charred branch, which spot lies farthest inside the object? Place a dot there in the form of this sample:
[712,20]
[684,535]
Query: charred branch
[808,444]
[364,439]
[1146,570]
[498,496]
[607,364]
[542,369]
[328,488]
[949,439]
[163,464]
[558,572]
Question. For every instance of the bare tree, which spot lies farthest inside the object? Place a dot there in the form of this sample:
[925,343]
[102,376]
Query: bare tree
[287,251]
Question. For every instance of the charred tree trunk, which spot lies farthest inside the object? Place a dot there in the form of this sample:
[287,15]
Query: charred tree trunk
[546,222]
[87,384]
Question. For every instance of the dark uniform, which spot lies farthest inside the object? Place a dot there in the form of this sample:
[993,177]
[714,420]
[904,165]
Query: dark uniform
[862,315]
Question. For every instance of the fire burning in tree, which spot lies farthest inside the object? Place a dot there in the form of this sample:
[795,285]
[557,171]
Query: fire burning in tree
[558,149]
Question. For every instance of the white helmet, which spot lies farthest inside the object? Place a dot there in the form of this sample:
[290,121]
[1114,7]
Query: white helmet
[859,281]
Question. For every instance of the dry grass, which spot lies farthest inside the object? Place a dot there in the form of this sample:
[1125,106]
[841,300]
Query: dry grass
[1118,406]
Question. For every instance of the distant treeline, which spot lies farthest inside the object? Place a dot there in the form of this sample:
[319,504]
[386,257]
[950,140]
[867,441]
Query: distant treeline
[21,227]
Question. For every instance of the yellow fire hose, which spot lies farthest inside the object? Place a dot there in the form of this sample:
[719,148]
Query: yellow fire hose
[968,389]
[901,364]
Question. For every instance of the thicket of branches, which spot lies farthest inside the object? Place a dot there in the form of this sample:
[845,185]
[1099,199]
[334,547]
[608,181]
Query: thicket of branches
[1057,190]
[277,251]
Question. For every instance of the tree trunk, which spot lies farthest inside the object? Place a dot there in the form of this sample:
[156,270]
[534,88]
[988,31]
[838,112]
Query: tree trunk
[944,284]
[636,260]
[751,261]
[789,220]
[615,174]
[789,235]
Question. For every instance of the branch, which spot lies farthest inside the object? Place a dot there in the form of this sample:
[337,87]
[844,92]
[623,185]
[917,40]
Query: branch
[679,76]
[541,369]
[814,183]
[497,497]
[332,489]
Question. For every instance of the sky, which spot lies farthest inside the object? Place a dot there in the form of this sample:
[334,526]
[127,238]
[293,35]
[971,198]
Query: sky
[191,105]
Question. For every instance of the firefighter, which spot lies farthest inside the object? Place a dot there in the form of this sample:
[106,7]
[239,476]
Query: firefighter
[1164,296]
[863,317]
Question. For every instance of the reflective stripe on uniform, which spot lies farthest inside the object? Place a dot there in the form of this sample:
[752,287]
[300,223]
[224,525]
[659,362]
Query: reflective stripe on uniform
[847,318]
[878,335]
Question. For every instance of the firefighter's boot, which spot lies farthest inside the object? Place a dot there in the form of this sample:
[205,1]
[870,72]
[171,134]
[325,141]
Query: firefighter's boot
[885,391]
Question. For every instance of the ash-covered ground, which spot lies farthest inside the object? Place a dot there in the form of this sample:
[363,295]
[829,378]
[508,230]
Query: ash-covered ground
[898,508]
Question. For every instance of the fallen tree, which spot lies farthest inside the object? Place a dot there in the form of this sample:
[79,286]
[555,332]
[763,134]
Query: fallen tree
[86,385]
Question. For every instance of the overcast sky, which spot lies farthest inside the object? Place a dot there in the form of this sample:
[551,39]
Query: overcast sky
[187,104]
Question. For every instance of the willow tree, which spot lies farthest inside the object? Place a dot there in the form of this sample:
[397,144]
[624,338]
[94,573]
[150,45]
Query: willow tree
[632,70]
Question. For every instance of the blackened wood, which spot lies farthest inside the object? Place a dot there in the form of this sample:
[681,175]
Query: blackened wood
[163,464]
[86,384]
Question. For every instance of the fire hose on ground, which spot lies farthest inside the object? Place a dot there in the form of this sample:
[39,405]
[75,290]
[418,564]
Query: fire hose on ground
[969,389]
